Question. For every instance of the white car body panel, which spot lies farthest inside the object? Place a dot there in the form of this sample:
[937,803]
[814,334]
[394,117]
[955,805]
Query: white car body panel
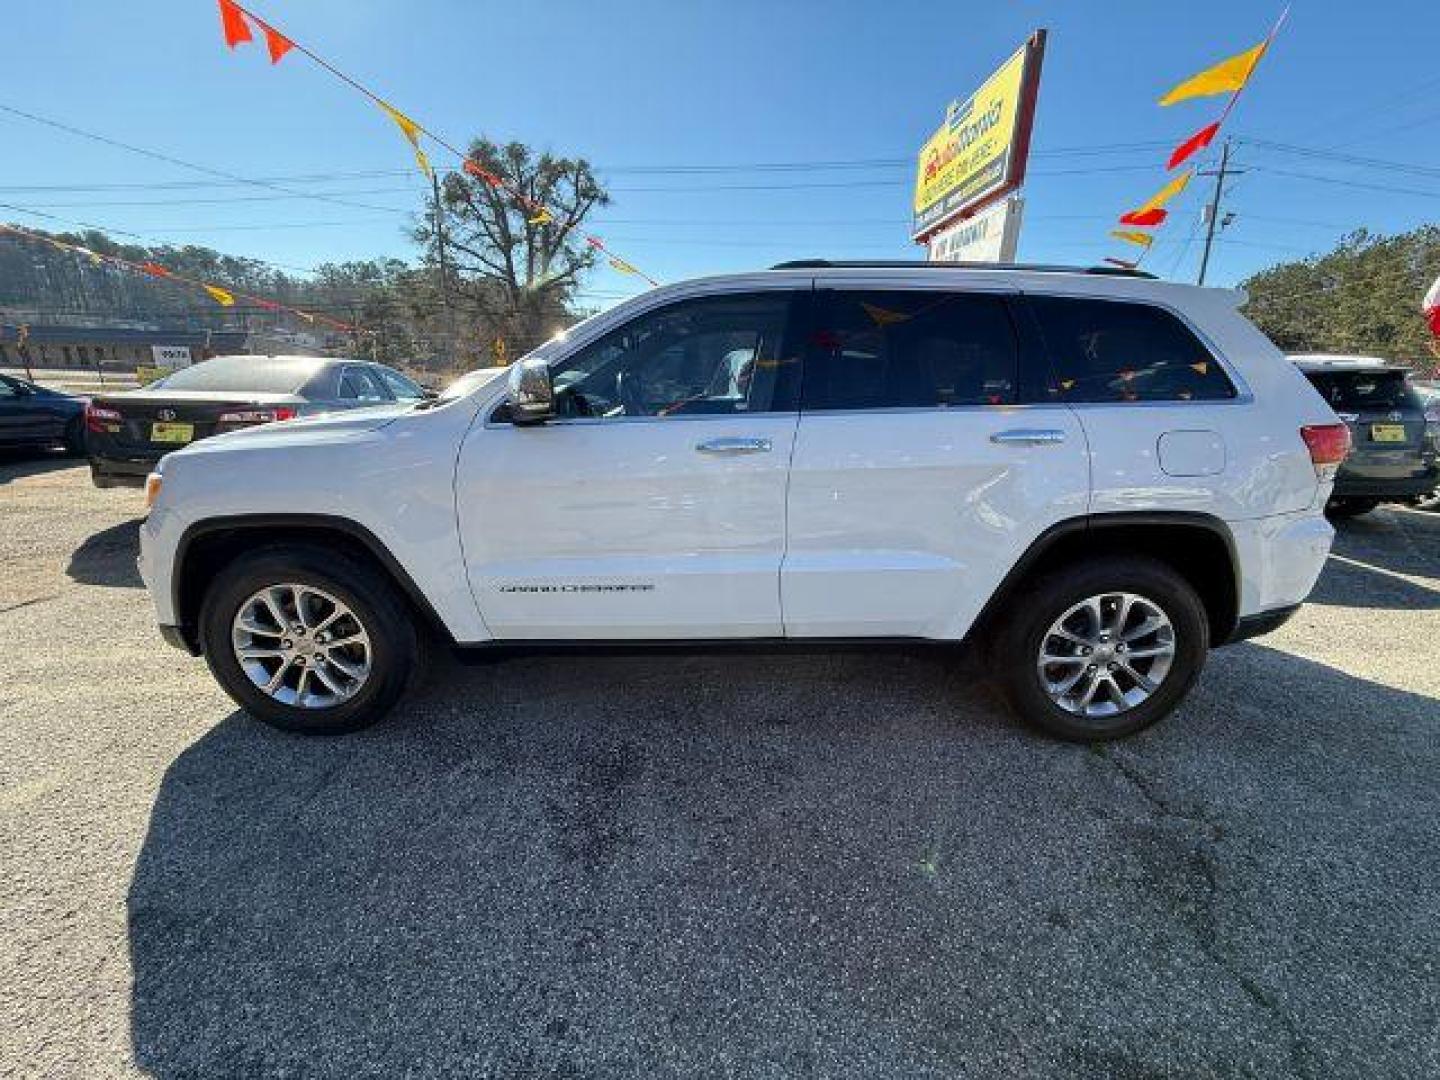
[903,522]
[867,523]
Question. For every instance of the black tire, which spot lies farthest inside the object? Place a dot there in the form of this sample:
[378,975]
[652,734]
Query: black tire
[74,440]
[1349,508]
[1030,615]
[372,598]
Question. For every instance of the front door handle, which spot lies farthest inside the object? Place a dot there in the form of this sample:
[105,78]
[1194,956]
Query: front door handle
[732,444]
[1028,436]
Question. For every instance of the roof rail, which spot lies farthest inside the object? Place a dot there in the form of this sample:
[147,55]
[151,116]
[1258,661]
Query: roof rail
[916,264]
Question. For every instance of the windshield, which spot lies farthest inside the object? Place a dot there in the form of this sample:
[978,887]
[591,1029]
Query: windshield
[1352,391]
[247,374]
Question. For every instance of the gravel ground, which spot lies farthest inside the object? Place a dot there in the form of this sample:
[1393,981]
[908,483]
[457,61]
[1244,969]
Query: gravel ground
[821,864]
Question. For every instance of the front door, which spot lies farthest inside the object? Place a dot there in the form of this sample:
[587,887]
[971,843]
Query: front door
[919,476]
[653,506]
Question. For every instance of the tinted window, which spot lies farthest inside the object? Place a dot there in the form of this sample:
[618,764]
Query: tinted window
[873,350]
[1352,391]
[1111,350]
[252,374]
[722,355]
[403,388]
[8,389]
[358,384]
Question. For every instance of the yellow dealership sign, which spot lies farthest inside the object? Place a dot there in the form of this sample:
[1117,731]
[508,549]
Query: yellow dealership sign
[980,152]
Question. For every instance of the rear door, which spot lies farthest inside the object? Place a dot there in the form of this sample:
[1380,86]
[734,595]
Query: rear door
[920,473]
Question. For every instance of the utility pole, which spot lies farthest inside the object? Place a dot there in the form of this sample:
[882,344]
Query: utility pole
[1213,210]
[444,262]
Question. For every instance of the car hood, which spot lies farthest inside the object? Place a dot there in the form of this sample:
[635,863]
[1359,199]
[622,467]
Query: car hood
[324,427]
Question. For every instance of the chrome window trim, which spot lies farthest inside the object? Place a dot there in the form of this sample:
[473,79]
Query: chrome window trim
[596,421]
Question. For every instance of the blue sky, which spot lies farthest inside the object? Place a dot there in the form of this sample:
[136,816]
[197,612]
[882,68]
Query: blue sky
[647,90]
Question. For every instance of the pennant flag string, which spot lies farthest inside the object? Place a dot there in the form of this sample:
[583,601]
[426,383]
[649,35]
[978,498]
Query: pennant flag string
[222,296]
[1230,76]
[233,18]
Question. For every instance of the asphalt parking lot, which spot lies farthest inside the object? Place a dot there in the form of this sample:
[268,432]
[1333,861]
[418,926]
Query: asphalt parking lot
[821,864]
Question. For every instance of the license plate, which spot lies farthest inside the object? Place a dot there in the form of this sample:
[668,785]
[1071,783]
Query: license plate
[171,433]
[1387,432]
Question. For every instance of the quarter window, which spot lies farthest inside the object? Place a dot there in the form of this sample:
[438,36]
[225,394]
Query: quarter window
[1114,350]
[874,350]
[357,384]
[718,356]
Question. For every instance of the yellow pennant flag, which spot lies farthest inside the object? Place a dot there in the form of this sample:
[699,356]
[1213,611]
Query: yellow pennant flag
[411,131]
[883,316]
[620,264]
[1224,78]
[542,218]
[1168,192]
[1133,236]
[220,296]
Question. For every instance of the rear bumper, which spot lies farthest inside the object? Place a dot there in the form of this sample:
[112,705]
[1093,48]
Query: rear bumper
[1279,559]
[1386,489]
[128,471]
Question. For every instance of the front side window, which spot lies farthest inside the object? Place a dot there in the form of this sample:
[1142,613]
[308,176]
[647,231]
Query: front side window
[716,356]
[1117,350]
[875,350]
[357,384]
[404,389]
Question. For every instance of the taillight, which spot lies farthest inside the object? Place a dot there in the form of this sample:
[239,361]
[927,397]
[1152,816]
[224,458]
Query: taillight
[1328,443]
[97,416]
[258,416]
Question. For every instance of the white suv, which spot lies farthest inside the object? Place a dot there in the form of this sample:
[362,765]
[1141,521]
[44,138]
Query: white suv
[1097,475]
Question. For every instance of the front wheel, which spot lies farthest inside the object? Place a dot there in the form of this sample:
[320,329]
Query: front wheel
[308,640]
[1102,649]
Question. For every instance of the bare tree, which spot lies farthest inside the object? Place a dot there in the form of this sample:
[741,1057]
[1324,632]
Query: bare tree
[513,271]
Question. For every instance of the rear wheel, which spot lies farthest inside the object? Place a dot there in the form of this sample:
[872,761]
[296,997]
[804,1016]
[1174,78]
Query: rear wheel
[308,641]
[1348,508]
[1102,649]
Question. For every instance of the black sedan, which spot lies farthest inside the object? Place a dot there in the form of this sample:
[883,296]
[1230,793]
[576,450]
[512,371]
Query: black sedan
[34,418]
[127,433]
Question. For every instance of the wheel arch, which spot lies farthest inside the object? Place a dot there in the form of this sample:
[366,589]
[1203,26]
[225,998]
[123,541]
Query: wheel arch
[207,546]
[1198,546]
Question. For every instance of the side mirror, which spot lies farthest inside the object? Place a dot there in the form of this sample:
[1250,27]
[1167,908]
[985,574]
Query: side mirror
[532,395]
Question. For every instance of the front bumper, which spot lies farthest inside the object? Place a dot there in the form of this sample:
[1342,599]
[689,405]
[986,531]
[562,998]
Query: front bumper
[107,472]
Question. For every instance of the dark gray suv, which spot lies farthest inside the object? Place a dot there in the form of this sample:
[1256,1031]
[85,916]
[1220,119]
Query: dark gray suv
[1394,455]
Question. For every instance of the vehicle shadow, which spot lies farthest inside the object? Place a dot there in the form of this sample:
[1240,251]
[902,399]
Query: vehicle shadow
[1374,555]
[704,864]
[18,464]
[107,558]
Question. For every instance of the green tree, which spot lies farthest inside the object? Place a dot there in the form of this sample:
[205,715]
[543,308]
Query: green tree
[1363,297]
[511,276]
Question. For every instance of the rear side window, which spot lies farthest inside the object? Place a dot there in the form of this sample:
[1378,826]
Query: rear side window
[1115,350]
[875,350]
[1355,391]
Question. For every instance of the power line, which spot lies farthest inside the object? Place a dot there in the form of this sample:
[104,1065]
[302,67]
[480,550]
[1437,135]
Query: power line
[1345,159]
[180,162]
[1358,184]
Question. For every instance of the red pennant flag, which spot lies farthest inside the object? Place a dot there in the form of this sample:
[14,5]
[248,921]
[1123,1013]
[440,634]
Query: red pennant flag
[594,241]
[1193,145]
[154,269]
[1431,305]
[1146,219]
[474,169]
[276,42]
[232,21]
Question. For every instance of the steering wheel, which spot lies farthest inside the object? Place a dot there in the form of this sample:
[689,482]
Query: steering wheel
[628,387]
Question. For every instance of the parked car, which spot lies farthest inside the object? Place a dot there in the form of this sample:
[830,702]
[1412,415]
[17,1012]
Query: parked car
[32,417]
[1097,476]
[1395,451]
[128,432]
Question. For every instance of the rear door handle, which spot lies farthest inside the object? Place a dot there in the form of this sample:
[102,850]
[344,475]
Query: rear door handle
[733,444]
[1028,436]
